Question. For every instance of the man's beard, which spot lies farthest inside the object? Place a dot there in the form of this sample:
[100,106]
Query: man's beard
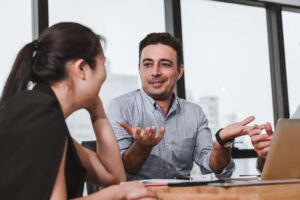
[160,97]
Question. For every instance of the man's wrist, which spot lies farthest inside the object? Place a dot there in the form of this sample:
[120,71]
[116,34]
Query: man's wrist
[142,147]
[223,142]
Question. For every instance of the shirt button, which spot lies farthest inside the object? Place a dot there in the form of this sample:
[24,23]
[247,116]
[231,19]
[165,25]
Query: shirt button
[168,167]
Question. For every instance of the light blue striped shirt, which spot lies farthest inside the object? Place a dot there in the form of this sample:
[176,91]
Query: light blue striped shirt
[187,136]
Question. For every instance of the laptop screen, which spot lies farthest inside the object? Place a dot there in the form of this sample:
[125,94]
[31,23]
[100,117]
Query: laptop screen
[283,160]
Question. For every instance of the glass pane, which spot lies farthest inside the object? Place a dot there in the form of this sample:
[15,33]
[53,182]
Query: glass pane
[123,23]
[227,62]
[16,31]
[291,30]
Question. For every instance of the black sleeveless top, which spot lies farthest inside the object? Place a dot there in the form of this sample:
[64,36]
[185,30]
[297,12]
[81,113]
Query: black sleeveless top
[33,133]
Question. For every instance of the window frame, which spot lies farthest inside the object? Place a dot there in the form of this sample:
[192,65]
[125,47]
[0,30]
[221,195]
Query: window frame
[276,53]
[40,21]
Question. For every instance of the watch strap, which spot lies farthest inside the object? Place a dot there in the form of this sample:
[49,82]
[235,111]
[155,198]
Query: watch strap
[220,141]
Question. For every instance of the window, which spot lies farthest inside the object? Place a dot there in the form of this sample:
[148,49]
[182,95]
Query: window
[227,68]
[291,30]
[124,24]
[15,33]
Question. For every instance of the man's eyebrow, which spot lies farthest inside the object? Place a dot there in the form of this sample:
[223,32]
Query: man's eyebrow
[164,60]
[147,59]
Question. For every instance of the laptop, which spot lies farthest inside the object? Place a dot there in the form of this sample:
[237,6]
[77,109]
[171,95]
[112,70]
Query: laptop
[283,161]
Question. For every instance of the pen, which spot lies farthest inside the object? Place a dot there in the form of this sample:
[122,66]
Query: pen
[258,175]
[155,185]
[195,183]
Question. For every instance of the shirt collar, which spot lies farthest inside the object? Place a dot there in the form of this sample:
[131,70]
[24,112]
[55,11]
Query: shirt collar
[149,99]
[175,104]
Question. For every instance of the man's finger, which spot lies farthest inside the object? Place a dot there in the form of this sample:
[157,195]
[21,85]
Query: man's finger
[152,133]
[161,134]
[247,120]
[127,128]
[248,129]
[137,134]
[254,132]
[145,134]
[153,129]
[255,126]
[244,130]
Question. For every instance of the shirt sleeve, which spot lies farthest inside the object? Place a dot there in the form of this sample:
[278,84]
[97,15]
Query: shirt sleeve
[32,139]
[117,113]
[203,148]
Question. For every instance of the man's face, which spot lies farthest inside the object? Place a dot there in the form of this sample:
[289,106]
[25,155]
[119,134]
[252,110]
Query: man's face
[158,71]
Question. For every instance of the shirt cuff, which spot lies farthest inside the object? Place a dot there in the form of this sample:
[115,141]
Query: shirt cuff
[226,172]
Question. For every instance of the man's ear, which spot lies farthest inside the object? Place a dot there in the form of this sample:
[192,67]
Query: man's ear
[139,68]
[180,71]
[78,68]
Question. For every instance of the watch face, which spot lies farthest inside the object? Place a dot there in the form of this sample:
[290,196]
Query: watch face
[228,144]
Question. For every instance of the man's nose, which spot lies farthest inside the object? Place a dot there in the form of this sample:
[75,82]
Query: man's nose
[156,71]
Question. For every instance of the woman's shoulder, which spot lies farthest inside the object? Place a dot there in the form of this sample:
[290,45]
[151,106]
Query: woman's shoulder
[33,134]
[31,102]
[30,98]
[32,110]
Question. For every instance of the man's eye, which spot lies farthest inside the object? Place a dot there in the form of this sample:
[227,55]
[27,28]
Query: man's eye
[147,64]
[166,64]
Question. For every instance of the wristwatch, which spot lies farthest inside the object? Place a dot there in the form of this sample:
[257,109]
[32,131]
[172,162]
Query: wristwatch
[224,143]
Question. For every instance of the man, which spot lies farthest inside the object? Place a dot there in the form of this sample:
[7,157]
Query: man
[159,134]
[262,142]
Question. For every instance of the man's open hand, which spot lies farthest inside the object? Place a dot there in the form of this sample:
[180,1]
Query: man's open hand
[144,138]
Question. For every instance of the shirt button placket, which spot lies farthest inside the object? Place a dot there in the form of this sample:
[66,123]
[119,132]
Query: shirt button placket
[167,151]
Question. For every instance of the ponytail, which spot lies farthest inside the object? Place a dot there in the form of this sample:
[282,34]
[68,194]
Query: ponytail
[44,61]
[20,74]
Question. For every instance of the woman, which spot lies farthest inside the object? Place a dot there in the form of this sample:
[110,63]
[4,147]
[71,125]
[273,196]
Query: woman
[39,158]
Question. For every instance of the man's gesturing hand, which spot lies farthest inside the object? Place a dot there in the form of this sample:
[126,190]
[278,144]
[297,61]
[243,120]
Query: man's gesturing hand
[144,138]
[237,129]
[135,156]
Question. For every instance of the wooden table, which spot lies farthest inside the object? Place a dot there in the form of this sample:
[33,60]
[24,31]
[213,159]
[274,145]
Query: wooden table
[267,192]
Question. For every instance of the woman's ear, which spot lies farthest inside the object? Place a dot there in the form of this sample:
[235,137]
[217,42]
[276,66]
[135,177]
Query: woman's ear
[78,68]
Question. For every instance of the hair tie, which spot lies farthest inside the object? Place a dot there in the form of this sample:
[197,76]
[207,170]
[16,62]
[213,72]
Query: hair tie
[36,44]
[35,47]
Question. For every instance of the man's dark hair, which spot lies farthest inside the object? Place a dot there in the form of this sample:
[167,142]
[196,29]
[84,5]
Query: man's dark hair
[162,38]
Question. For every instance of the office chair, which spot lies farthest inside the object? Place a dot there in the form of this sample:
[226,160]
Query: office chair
[91,145]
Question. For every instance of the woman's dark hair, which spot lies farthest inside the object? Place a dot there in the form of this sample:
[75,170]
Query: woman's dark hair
[43,60]
[162,38]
